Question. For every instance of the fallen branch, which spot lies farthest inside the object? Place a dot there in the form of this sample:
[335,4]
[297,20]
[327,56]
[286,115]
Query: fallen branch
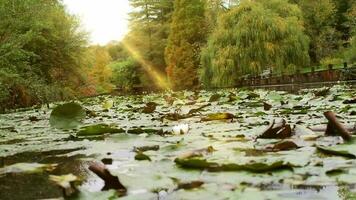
[111,182]
[335,127]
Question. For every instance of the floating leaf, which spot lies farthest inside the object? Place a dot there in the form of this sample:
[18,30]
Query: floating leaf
[27,168]
[138,131]
[98,129]
[66,182]
[284,146]
[190,185]
[215,97]
[146,148]
[142,156]
[150,107]
[203,164]
[108,104]
[67,116]
[87,195]
[348,149]
[218,116]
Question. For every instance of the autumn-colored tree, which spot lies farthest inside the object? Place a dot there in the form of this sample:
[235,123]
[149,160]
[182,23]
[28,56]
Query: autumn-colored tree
[99,73]
[251,37]
[187,36]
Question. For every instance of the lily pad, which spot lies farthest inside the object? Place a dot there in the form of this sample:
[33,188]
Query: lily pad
[218,116]
[203,164]
[98,129]
[67,116]
[347,149]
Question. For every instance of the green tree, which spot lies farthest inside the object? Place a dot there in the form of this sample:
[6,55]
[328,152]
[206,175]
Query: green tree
[187,36]
[351,52]
[149,29]
[251,37]
[320,18]
[126,73]
[42,50]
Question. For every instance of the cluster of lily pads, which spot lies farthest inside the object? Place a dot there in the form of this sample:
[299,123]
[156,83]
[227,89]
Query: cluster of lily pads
[223,144]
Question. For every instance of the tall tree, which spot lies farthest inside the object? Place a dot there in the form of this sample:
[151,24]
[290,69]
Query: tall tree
[320,18]
[251,37]
[187,36]
[149,24]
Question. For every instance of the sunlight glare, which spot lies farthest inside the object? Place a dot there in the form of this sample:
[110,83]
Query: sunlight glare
[106,20]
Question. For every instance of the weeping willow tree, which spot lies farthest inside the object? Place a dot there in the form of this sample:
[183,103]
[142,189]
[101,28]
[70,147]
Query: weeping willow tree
[252,37]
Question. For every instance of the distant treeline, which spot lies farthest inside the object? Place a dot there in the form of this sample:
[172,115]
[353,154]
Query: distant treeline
[212,43]
[179,44]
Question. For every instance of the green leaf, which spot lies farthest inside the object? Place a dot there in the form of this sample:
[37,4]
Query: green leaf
[142,156]
[203,164]
[108,104]
[347,149]
[67,116]
[98,129]
[218,116]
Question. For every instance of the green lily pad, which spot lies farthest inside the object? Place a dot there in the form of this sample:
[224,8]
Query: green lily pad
[108,104]
[86,195]
[203,164]
[218,116]
[347,149]
[67,116]
[98,129]
[142,156]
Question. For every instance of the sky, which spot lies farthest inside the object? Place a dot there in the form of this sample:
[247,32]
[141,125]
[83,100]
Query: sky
[106,20]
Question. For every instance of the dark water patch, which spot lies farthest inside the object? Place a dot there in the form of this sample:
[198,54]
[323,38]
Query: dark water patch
[27,187]
[34,157]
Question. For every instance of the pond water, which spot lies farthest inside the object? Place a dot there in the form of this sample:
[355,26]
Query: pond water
[196,145]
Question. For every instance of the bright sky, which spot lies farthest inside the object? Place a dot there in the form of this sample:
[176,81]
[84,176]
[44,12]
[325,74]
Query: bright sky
[106,20]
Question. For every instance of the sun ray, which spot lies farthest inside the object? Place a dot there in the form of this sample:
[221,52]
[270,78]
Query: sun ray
[158,77]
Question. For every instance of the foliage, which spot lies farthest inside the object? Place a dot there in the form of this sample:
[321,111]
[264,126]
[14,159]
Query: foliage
[149,29]
[116,51]
[184,43]
[126,73]
[99,73]
[39,51]
[252,37]
[351,52]
[319,18]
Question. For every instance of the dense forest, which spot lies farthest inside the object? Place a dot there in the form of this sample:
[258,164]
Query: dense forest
[45,54]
